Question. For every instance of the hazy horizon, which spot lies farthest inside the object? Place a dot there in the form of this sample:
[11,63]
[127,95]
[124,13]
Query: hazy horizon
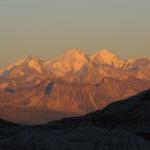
[48,28]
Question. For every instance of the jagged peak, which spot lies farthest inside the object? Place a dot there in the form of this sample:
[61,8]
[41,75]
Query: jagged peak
[75,52]
[72,60]
[30,61]
[34,63]
[105,56]
[26,60]
[30,58]
[104,53]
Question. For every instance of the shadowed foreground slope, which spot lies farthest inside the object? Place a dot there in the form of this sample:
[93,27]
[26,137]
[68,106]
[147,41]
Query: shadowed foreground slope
[123,125]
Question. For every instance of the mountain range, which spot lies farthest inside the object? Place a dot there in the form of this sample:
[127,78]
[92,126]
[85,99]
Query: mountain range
[36,91]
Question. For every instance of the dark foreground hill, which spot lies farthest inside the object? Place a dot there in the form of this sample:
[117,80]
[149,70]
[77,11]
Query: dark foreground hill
[123,125]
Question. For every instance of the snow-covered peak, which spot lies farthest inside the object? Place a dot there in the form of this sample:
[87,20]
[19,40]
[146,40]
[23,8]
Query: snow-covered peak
[104,56]
[6,70]
[75,54]
[20,66]
[34,62]
[105,52]
[72,61]
[23,61]
[31,58]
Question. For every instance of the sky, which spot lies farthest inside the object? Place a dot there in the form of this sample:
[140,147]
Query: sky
[47,28]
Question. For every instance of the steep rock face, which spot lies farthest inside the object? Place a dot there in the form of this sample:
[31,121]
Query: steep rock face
[70,97]
[123,125]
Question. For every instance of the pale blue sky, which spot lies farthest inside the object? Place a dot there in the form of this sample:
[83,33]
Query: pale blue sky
[46,28]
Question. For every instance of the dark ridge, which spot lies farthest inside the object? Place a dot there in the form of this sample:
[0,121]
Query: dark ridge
[123,125]
[4,123]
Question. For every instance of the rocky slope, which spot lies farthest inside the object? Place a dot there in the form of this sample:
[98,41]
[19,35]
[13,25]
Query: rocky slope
[79,82]
[123,125]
